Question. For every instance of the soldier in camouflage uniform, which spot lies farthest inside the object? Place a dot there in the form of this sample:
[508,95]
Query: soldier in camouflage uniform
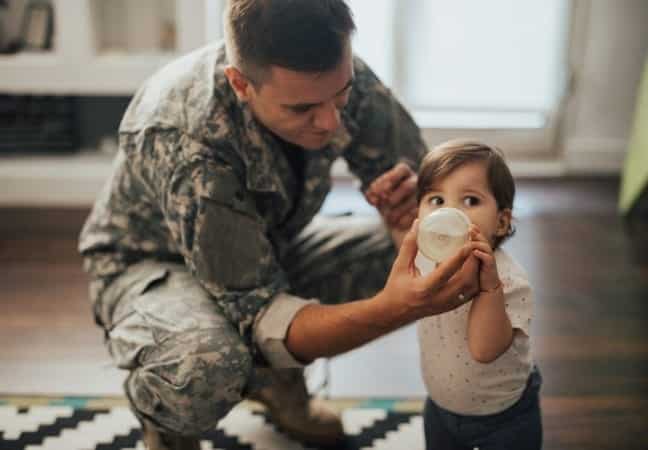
[209,268]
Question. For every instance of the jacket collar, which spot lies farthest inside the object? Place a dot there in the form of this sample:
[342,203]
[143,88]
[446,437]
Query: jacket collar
[260,147]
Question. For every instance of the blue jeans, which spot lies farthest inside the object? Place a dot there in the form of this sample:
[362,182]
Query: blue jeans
[517,428]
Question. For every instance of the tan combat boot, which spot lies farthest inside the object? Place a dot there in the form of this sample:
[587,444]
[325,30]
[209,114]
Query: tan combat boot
[295,412]
[157,440]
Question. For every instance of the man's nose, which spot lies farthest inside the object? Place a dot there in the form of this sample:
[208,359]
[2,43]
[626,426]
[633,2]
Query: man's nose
[327,117]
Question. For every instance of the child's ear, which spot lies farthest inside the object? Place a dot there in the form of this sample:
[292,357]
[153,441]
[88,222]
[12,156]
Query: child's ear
[504,217]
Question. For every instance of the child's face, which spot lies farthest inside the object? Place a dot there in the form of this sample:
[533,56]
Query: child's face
[466,188]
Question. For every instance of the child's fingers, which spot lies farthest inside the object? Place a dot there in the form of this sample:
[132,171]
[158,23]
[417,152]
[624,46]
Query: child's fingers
[476,234]
[486,258]
[474,229]
[483,246]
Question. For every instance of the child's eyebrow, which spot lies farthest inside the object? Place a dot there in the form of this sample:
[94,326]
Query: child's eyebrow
[473,191]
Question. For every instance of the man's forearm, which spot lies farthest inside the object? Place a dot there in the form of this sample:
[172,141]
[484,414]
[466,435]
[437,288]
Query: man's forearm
[321,330]
[327,330]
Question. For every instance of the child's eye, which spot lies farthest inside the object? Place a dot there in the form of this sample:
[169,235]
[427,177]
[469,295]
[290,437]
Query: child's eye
[471,201]
[435,200]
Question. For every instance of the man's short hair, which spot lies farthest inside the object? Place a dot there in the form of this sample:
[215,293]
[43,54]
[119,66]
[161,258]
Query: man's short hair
[300,35]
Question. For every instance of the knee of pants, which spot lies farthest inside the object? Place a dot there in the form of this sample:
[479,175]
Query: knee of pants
[193,383]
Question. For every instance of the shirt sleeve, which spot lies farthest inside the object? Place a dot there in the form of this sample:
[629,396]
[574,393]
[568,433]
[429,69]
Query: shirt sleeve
[226,246]
[271,328]
[384,134]
[518,297]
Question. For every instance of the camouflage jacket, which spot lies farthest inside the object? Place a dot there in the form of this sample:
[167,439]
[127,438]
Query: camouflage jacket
[198,180]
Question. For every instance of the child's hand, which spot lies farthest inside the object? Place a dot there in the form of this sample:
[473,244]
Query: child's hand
[488,277]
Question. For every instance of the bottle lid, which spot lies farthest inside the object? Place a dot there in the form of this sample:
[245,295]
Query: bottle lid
[442,233]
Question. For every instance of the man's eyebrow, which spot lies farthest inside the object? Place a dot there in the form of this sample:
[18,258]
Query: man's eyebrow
[308,105]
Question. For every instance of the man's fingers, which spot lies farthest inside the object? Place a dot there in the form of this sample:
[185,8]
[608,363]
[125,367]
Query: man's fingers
[406,220]
[403,191]
[372,196]
[393,216]
[391,178]
[449,267]
[459,289]
[396,173]
[408,249]
[451,293]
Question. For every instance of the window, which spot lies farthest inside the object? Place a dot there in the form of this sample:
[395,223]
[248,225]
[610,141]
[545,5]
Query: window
[496,68]
[493,70]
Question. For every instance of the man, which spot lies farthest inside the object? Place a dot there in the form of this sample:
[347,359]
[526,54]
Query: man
[209,275]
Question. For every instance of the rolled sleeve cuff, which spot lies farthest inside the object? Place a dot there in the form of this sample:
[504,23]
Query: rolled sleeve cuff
[271,327]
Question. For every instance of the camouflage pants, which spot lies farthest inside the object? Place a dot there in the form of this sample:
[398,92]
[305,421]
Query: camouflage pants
[189,365]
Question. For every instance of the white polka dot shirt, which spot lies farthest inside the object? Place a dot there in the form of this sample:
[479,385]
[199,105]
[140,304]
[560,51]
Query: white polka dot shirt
[454,380]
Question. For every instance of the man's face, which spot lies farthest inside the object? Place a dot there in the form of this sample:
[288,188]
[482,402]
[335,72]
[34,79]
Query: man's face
[303,108]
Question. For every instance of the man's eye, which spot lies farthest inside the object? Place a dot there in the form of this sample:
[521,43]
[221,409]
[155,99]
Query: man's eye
[300,109]
[471,201]
[436,200]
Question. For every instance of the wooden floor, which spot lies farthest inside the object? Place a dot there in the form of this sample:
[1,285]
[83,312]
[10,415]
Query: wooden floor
[590,336]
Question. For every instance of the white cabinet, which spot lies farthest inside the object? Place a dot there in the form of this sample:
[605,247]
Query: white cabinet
[109,47]
[100,47]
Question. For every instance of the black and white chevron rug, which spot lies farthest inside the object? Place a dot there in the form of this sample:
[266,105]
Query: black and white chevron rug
[80,426]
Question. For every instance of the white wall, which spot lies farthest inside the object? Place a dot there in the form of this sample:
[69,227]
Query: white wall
[608,52]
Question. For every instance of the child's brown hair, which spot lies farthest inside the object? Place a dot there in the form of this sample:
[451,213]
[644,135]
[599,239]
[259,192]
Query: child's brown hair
[446,157]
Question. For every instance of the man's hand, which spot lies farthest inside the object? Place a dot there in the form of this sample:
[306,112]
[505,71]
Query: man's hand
[451,284]
[394,195]
[328,330]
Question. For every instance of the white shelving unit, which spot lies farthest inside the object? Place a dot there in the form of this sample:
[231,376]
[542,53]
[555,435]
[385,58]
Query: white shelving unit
[95,53]
[100,47]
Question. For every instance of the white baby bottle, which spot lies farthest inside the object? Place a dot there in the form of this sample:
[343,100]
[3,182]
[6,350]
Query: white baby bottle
[440,235]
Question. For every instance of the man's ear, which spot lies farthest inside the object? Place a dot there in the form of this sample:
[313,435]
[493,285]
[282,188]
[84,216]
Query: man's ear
[239,83]
[504,218]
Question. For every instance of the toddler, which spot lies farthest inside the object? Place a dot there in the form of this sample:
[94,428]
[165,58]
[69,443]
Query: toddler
[482,384]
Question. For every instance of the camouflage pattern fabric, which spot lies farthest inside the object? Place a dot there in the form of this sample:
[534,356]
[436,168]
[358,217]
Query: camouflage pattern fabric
[189,366]
[198,181]
[204,198]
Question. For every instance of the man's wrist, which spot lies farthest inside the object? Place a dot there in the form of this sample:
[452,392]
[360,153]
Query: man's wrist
[395,314]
